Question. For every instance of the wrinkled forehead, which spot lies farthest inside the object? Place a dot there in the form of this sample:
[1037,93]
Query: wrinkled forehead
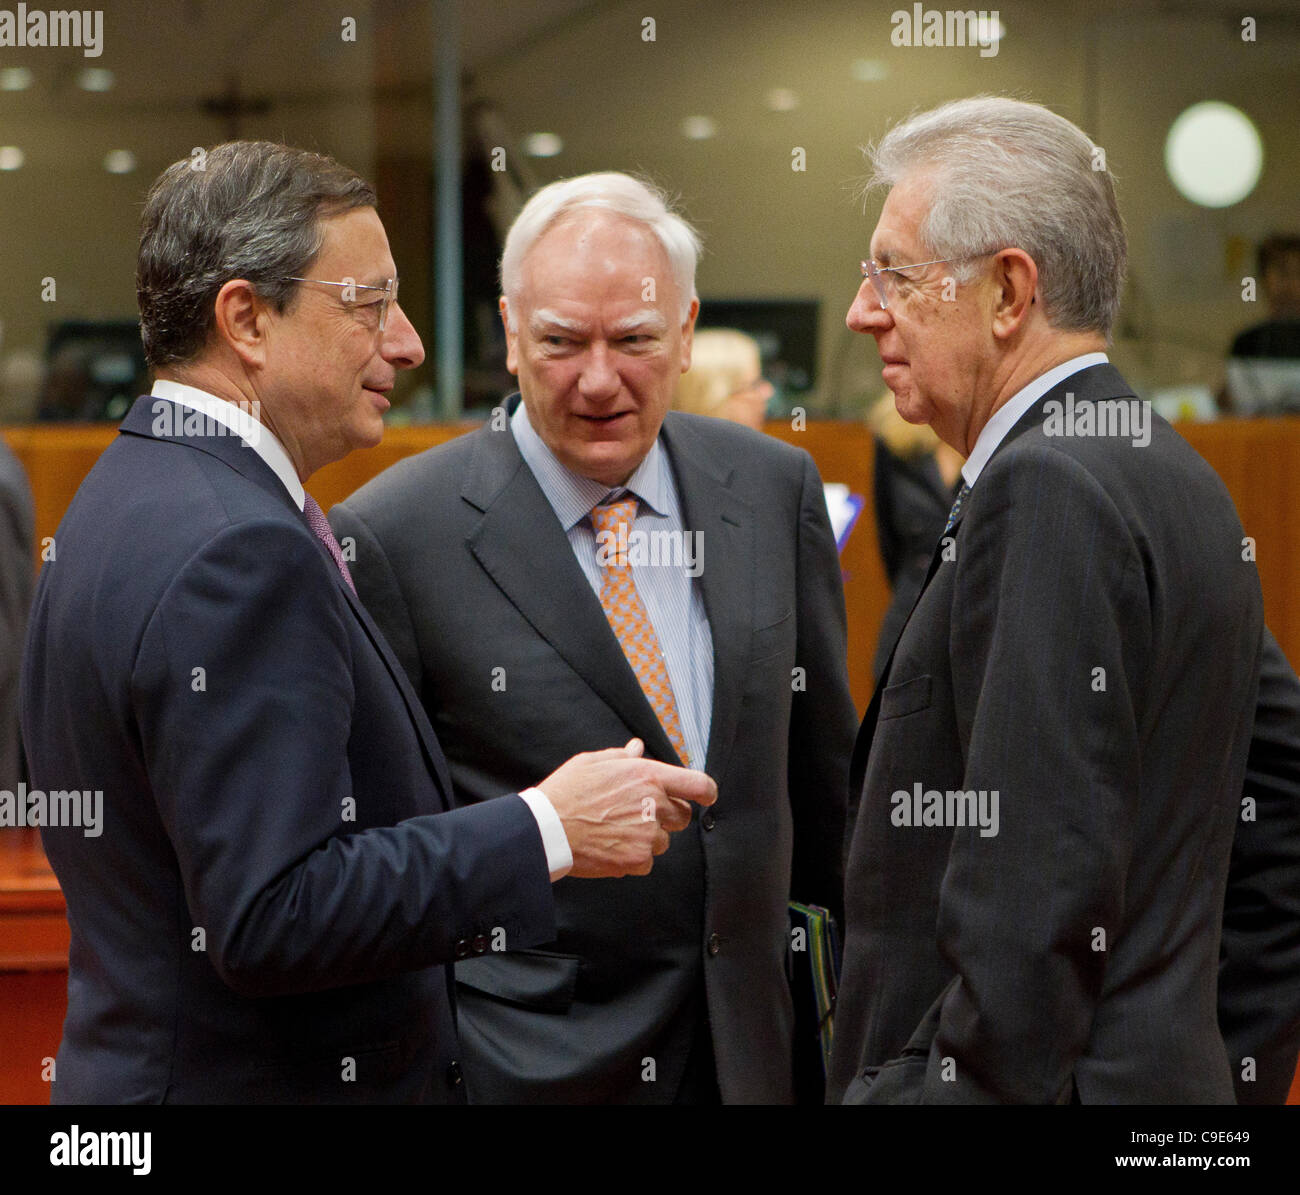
[601,246]
[896,239]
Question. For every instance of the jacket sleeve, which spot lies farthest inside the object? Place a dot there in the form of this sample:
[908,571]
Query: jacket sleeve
[244,697]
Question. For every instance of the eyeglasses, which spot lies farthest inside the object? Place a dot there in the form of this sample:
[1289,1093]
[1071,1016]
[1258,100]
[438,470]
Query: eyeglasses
[386,297]
[874,273]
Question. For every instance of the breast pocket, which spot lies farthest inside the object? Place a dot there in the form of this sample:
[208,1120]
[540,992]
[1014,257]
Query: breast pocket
[906,697]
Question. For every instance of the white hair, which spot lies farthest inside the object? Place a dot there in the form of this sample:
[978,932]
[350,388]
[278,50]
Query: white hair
[613,192]
[1011,174]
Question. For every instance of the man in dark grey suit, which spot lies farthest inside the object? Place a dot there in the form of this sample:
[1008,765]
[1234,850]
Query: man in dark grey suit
[1051,769]
[492,565]
[16,578]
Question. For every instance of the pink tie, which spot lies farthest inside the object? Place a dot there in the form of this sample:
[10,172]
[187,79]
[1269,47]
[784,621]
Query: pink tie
[628,618]
[320,525]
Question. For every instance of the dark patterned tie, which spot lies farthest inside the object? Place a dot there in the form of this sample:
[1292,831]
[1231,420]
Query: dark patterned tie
[320,525]
[955,513]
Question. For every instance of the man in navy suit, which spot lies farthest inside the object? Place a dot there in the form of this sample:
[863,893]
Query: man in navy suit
[244,802]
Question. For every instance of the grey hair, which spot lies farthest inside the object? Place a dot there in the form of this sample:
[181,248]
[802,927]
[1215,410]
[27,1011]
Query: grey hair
[1008,173]
[611,191]
[245,209]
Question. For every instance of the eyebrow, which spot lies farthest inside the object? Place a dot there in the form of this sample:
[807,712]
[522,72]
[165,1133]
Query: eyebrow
[543,319]
[649,320]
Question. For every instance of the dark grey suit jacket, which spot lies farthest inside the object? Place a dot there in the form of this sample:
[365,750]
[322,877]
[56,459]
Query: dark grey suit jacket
[1259,976]
[464,565]
[17,577]
[1091,654]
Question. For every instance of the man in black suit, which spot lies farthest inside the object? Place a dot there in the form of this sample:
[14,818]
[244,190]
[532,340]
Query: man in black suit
[245,805]
[1051,768]
[670,988]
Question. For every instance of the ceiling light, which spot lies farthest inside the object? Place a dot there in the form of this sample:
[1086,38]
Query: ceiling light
[1213,154]
[543,145]
[11,157]
[95,78]
[870,70]
[699,128]
[119,161]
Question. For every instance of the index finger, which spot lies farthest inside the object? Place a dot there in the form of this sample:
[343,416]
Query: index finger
[684,784]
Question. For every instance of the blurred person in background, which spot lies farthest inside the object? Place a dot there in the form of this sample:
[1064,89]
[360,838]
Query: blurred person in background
[725,379]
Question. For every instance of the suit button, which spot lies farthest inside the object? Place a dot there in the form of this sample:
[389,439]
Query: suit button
[715,943]
[453,1075]
[462,948]
[706,819]
[480,944]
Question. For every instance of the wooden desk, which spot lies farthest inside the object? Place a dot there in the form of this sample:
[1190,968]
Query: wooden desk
[33,967]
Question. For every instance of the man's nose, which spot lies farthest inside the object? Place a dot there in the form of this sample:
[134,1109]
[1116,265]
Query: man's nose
[599,378]
[401,345]
[866,314]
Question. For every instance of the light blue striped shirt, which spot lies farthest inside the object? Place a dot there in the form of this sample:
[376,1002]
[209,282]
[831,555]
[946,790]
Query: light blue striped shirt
[673,599]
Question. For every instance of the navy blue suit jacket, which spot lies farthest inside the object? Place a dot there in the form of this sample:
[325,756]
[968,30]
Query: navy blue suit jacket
[278,884]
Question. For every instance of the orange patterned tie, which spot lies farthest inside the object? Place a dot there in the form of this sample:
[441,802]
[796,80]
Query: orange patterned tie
[627,616]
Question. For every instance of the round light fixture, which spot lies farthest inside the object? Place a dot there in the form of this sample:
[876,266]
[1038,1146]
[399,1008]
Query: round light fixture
[1213,154]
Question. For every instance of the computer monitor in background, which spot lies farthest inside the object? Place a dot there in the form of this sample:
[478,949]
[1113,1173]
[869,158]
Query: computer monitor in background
[786,331]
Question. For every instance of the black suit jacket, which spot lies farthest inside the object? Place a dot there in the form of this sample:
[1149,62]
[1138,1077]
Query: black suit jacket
[463,562]
[1090,653]
[266,912]
[1259,974]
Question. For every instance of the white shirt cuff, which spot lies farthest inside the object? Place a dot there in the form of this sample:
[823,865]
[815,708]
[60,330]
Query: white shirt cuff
[559,857]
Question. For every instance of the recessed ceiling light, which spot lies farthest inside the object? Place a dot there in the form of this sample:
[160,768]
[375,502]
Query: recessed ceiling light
[119,161]
[11,157]
[15,78]
[95,78]
[699,128]
[870,70]
[989,30]
[782,99]
[543,145]
[1213,154]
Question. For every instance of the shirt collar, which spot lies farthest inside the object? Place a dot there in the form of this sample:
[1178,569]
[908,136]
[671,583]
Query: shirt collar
[571,495]
[256,435]
[1008,415]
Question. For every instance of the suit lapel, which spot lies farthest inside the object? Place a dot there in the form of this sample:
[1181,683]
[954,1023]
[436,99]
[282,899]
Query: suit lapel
[1096,383]
[231,450]
[726,526]
[520,544]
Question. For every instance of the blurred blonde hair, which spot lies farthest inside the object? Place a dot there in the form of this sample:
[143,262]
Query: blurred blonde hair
[723,362]
[903,439]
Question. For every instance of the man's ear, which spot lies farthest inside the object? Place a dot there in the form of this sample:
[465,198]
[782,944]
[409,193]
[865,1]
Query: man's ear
[1015,283]
[241,316]
[688,333]
[512,337]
